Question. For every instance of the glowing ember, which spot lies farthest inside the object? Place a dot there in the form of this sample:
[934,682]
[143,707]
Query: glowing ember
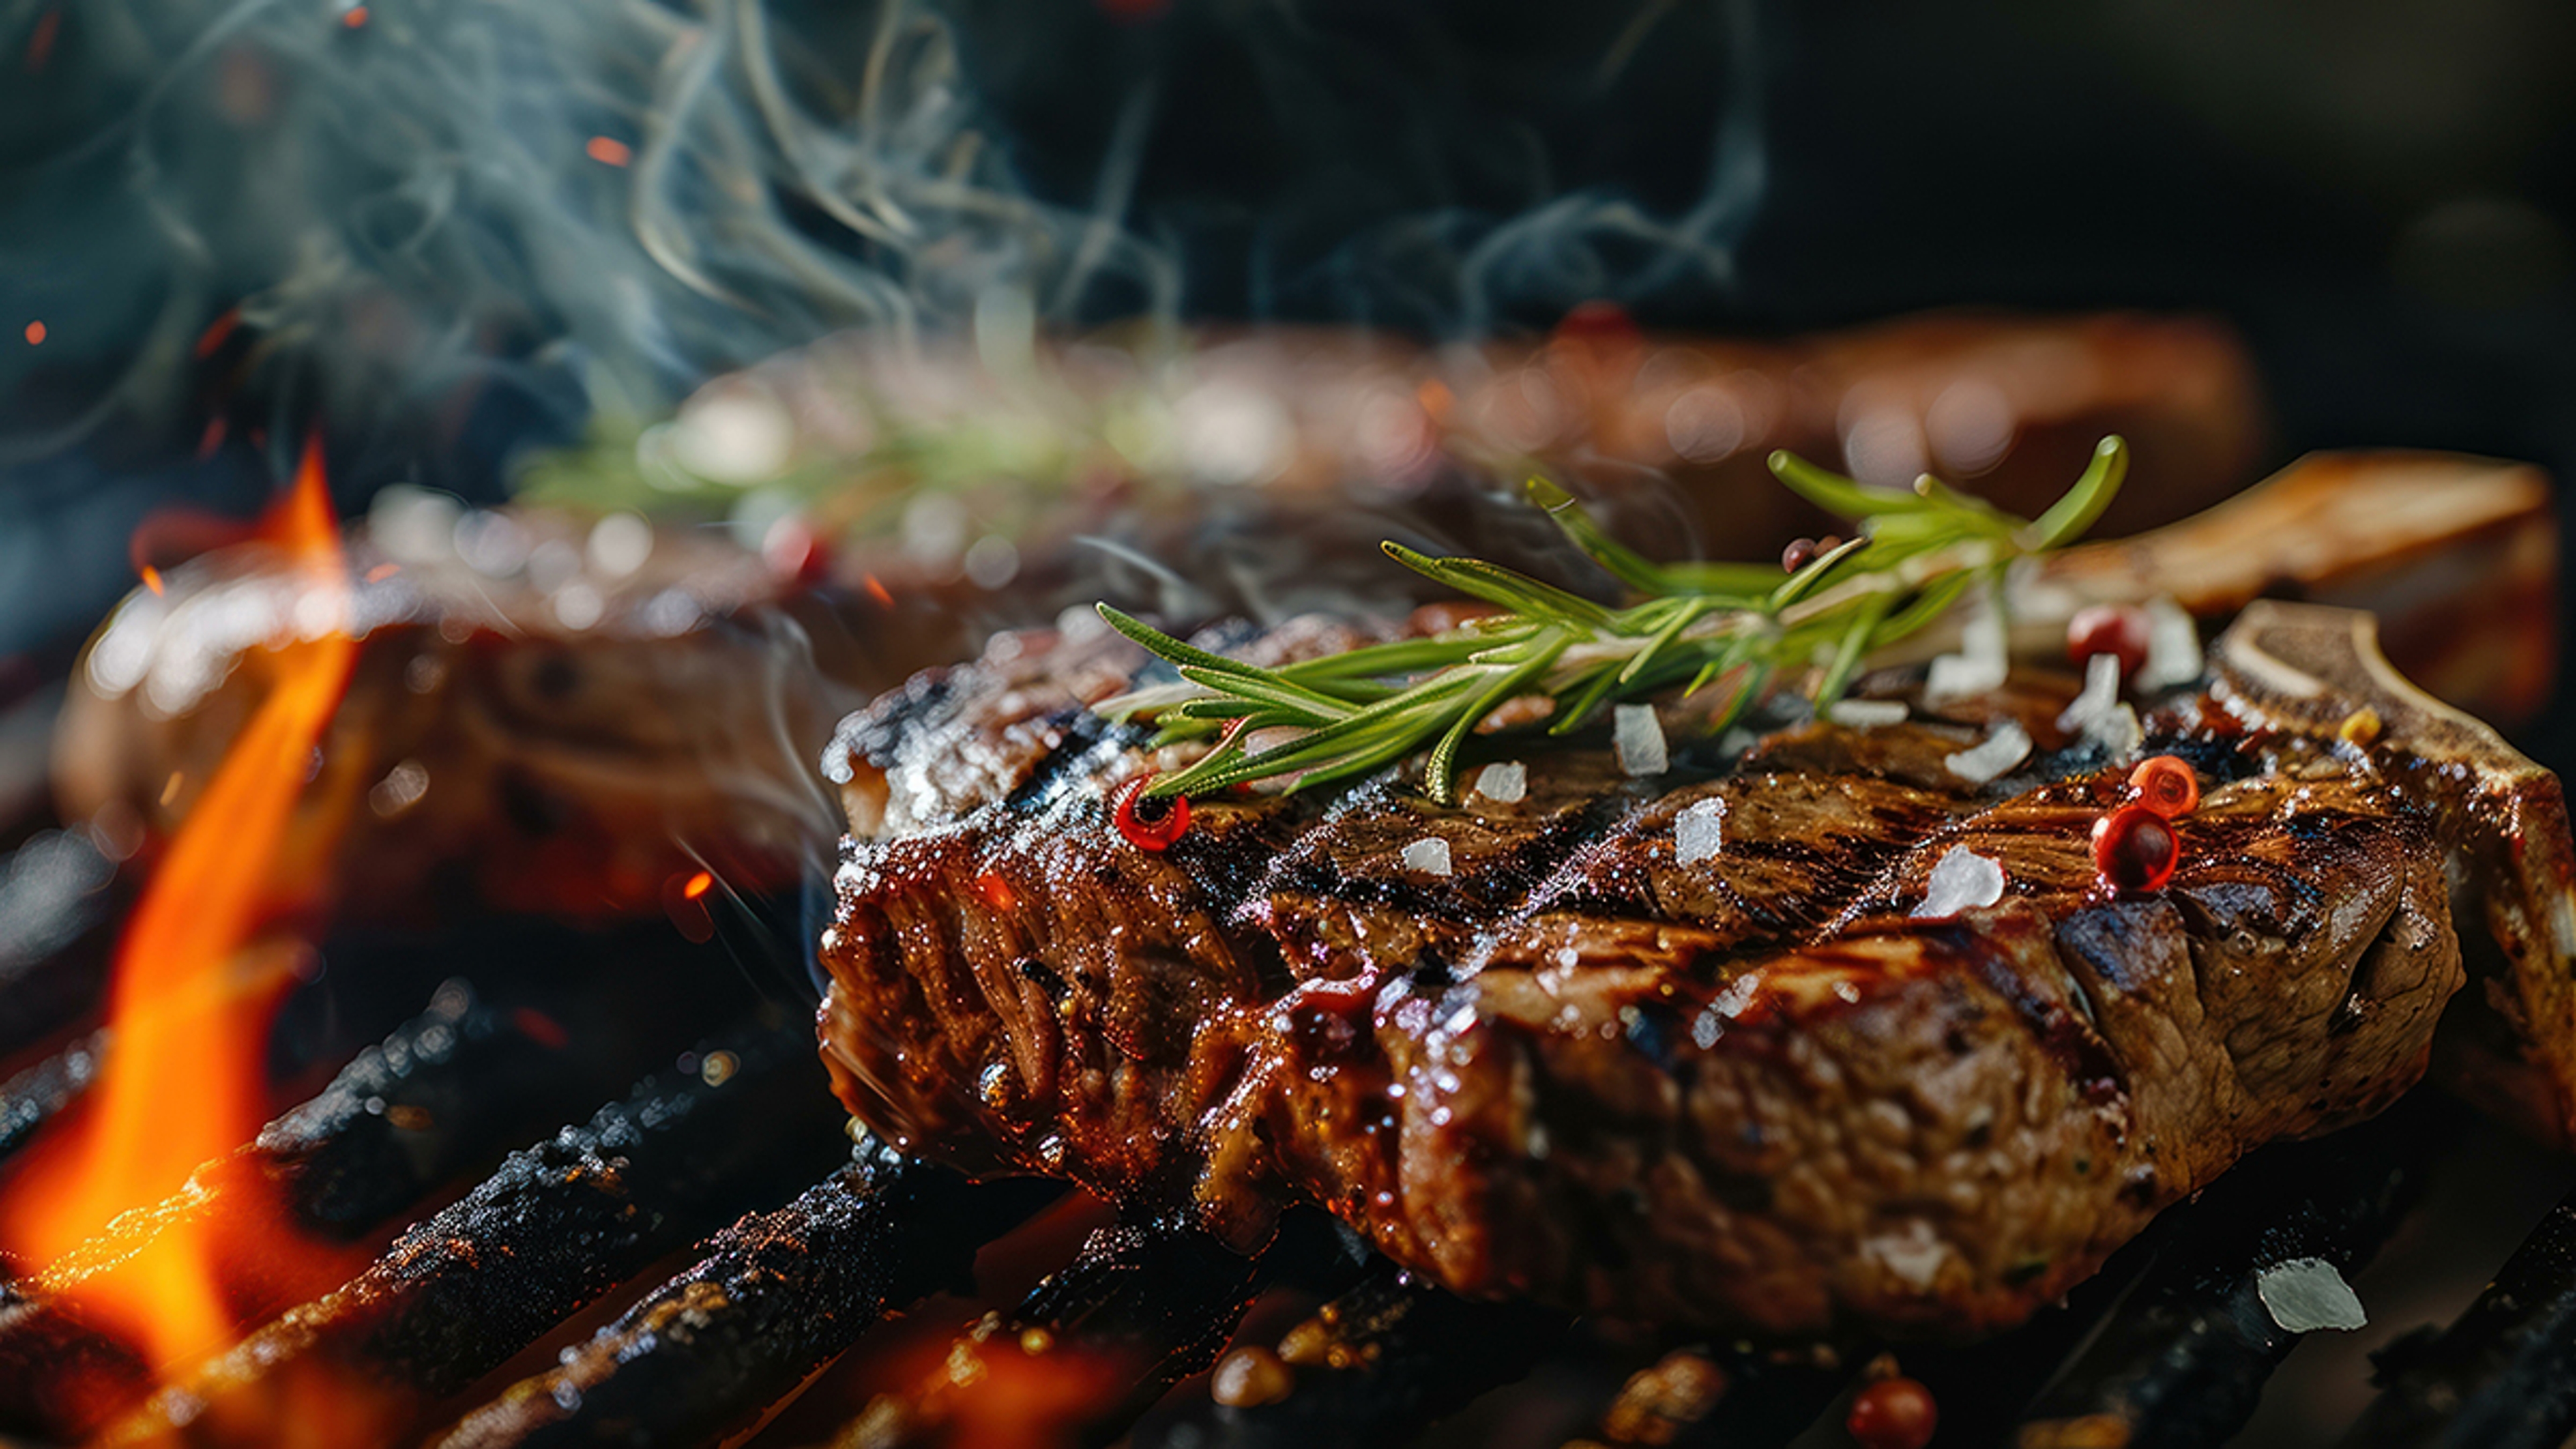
[684,901]
[190,1007]
[217,332]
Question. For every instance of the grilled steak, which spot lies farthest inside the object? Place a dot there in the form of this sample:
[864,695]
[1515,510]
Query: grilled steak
[1753,1090]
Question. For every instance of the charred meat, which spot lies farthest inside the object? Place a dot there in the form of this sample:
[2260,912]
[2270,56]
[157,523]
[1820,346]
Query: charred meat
[1725,1045]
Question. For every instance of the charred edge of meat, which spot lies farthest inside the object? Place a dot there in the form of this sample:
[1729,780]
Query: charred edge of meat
[2184,1358]
[31,1099]
[2497,1378]
[1384,1359]
[560,1224]
[778,1294]
[1141,1307]
[441,1097]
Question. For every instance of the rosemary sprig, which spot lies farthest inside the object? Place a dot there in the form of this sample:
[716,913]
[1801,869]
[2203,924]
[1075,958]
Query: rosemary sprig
[1688,626]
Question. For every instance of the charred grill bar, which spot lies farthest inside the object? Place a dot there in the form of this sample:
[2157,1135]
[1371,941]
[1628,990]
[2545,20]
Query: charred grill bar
[442,1094]
[1140,1307]
[2500,1376]
[397,1124]
[56,929]
[778,1295]
[560,1224]
[1379,1362]
[34,1096]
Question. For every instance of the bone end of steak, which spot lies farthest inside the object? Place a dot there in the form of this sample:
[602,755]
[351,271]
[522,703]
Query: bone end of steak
[1752,1091]
[2457,555]
[2511,1045]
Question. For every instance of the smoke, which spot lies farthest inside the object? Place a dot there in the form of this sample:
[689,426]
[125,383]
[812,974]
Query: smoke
[416,217]
[348,211]
[1465,271]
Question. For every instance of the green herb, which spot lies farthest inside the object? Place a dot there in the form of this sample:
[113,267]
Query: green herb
[1740,626]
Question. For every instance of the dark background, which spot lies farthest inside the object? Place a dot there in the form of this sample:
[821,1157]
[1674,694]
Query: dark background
[2378,195]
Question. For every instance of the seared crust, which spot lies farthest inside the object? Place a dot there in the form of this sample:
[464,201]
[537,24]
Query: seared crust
[1750,1092]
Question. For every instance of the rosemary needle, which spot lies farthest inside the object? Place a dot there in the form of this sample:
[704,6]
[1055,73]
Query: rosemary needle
[1686,627]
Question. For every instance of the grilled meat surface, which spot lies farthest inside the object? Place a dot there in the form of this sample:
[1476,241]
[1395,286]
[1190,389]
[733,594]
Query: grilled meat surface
[1754,1090]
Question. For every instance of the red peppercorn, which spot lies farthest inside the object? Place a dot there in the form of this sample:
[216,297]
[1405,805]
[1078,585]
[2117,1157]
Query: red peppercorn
[2165,785]
[2113,629]
[2135,850]
[1148,824]
[1895,1413]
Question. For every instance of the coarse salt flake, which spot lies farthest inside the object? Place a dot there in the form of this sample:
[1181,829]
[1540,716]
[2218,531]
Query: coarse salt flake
[1959,676]
[2100,716]
[2118,733]
[1982,664]
[1504,784]
[2173,646]
[1914,1256]
[1427,856]
[1862,714]
[2101,694]
[1698,831]
[2007,745]
[2306,1294]
[1961,880]
[1640,739]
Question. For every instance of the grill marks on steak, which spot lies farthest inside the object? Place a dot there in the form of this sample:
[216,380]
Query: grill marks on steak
[1752,1091]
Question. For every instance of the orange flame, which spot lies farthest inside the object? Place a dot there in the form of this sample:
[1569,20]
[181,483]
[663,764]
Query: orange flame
[192,999]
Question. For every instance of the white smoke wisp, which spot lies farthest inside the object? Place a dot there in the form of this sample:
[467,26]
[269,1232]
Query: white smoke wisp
[599,201]
[1468,274]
